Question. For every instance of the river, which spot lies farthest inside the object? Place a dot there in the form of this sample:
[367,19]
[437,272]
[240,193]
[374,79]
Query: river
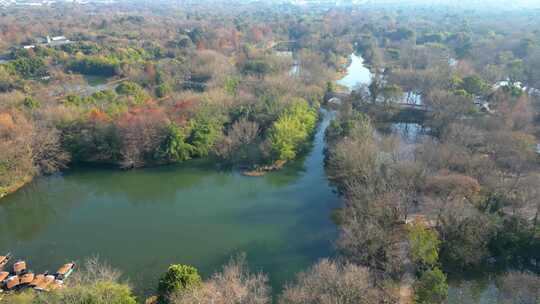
[141,221]
[357,73]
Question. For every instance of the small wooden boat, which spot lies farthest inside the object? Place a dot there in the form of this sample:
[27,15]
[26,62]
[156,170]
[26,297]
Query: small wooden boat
[65,271]
[19,267]
[38,279]
[57,284]
[4,259]
[3,276]
[44,284]
[26,278]
[12,283]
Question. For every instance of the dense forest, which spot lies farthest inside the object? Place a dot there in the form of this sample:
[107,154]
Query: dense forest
[242,84]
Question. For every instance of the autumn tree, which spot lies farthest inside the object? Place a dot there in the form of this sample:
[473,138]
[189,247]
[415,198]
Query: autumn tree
[141,131]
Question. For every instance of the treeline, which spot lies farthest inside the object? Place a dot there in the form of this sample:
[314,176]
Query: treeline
[464,196]
[182,284]
[88,58]
[458,191]
[207,85]
[326,281]
[127,128]
[148,134]
[210,88]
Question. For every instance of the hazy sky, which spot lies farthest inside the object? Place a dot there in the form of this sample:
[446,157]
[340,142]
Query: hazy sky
[534,3]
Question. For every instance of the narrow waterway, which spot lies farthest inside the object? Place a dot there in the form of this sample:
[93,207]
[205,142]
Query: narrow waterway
[141,221]
[357,73]
[474,288]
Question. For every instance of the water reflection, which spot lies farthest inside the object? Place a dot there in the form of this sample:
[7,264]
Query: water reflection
[477,291]
[93,84]
[408,133]
[143,220]
[295,69]
[357,73]
[413,98]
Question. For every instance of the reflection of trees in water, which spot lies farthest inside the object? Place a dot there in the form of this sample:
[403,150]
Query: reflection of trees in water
[44,202]
[288,175]
[280,262]
[409,133]
[145,186]
[311,162]
[476,291]
[273,218]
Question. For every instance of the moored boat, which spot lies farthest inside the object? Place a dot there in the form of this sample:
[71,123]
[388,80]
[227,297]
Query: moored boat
[38,279]
[4,259]
[44,284]
[57,284]
[12,283]
[19,267]
[26,278]
[65,271]
[3,276]
[21,278]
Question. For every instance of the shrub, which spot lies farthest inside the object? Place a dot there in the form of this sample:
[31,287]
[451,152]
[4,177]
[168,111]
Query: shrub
[177,279]
[134,90]
[256,67]
[102,292]
[29,67]
[474,85]
[431,287]
[85,48]
[31,103]
[204,133]
[94,66]
[91,142]
[163,90]
[175,148]
[128,88]
[424,245]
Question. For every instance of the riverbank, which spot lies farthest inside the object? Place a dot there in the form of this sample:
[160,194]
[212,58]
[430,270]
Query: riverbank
[287,145]
[263,170]
[257,172]
[211,215]
[15,186]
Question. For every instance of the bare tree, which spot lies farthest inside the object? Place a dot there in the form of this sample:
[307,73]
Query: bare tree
[520,288]
[238,145]
[48,154]
[233,285]
[329,282]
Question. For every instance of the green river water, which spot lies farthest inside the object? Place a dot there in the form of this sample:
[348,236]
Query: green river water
[141,221]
